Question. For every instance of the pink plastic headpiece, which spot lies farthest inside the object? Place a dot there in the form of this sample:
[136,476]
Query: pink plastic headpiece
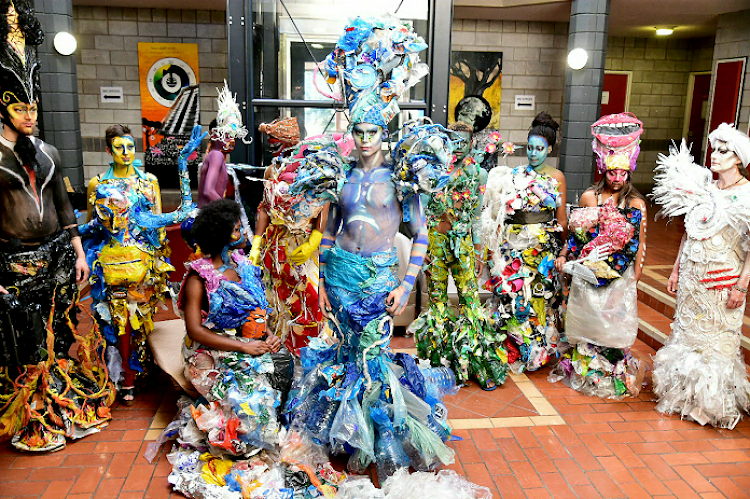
[616,141]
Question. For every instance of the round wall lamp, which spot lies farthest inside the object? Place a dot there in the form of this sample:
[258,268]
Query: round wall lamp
[65,43]
[577,58]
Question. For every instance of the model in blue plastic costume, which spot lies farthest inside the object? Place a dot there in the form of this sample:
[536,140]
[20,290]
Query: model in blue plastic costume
[241,372]
[358,396]
[127,250]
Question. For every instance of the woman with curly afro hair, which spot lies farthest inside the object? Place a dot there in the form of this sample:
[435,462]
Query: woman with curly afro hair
[230,358]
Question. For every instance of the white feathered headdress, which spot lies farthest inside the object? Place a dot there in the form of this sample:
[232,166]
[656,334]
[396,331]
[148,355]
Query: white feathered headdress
[228,118]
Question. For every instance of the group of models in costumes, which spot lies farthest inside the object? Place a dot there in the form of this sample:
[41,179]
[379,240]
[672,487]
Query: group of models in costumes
[288,346]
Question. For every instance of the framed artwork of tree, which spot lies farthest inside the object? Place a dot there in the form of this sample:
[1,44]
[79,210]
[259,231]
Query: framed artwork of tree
[476,74]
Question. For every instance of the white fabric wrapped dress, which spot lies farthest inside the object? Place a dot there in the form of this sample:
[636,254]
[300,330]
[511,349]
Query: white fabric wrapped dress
[700,373]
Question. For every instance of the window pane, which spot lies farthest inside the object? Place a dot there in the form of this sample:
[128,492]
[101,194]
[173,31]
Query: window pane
[284,66]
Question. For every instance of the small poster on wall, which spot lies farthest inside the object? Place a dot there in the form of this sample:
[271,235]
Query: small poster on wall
[164,70]
[476,82]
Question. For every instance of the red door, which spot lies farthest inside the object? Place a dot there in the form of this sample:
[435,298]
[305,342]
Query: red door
[729,75]
[614,93]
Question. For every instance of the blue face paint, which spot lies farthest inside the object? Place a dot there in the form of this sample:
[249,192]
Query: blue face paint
[537,150]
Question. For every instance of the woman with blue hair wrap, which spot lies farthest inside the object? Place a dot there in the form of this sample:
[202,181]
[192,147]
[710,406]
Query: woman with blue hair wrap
[358,396]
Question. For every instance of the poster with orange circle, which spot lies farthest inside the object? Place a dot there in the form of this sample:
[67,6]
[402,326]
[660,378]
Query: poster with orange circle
[164,69]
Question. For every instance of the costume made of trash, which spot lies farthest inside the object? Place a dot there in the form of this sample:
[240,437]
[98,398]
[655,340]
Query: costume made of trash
[601,320]
[357,396]
[700,373]
[523,236]
[128,254]
[467,343]
[288,233]
[224,434]
[46,394]
[214,176]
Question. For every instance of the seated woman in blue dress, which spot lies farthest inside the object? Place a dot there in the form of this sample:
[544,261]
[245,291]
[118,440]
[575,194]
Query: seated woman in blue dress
[241,370]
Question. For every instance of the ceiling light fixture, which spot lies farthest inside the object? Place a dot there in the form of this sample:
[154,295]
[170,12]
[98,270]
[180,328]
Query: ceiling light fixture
[664,31]
[316,45]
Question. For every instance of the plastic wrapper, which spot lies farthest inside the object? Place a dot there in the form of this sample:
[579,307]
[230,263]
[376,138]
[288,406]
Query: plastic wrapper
[446,484]
[432,450]
[350,426]
[359,488]
[283,371]
[606,316]
[193,486]
[185,460]
[169,433]
[316,353]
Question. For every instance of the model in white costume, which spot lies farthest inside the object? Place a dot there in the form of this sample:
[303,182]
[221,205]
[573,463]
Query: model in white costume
[700,374]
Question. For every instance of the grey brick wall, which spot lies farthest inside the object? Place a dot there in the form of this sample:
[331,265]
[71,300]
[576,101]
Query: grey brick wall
[108,56]
[733,40]
[661,70]
[533,64]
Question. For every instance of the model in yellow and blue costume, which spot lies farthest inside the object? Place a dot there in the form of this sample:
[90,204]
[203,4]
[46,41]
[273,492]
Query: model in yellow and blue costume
[126,248]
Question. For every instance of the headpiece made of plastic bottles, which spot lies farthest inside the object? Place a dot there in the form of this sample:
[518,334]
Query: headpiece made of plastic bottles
[376,60]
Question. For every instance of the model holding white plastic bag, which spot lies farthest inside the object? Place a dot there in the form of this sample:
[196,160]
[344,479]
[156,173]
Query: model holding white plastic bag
[605,253]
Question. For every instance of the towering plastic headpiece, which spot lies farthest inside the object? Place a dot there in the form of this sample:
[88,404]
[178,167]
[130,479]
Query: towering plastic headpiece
[376,60]
[616,141]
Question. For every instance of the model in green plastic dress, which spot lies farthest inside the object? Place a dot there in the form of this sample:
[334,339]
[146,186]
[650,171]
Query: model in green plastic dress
[467,343]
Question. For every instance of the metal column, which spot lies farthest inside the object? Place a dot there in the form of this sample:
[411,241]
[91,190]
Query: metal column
[240,57]
[441,15]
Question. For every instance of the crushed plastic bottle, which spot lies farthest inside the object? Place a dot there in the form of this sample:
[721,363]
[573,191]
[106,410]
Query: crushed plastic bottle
[389,454]
[440,381]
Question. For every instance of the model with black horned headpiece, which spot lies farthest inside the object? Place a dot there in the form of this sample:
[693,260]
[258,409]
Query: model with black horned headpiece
[41,259]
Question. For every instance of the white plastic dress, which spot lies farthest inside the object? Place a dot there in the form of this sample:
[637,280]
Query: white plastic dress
[700,373]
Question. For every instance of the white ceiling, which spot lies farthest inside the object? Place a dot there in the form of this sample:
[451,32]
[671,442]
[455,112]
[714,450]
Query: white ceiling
[692,18]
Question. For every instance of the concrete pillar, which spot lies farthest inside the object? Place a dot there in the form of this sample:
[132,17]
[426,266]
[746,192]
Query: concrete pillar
[59,123]
[589,24]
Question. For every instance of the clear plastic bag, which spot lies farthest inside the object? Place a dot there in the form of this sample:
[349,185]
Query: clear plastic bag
[432,449]
[446,484]
[349,425]
[606,316]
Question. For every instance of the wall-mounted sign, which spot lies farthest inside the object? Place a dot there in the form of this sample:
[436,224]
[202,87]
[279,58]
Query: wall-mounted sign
[111,94]
[526,102]
[605,97]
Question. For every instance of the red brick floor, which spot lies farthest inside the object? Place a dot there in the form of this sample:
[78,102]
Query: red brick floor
[605,449]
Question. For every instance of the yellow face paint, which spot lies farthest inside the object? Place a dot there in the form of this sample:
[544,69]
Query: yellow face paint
[123,150]
[23,116]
